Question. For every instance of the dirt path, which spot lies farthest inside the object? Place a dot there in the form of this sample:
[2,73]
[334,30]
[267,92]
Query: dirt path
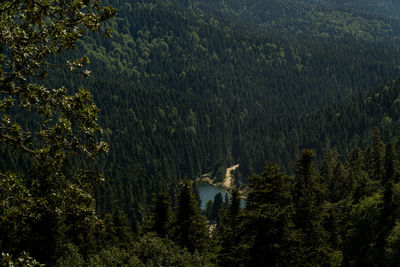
[228,176]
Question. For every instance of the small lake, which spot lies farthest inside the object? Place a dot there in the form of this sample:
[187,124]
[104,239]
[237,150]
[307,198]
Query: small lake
[207,192]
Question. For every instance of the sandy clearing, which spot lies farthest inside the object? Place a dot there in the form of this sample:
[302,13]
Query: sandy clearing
[228,176]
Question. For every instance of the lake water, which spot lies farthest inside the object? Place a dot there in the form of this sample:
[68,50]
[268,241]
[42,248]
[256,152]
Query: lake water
[207,192]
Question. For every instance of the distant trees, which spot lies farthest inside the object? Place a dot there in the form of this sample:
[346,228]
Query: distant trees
[200,97]
[170,79]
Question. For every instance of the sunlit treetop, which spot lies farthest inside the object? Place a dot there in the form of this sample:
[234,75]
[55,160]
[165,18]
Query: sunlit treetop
[48,125]
[31,32]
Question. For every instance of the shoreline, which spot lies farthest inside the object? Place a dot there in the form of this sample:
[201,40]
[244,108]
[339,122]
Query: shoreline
[211,182]
[226,185]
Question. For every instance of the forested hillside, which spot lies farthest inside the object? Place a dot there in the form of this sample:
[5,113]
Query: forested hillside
[340,126]
[184,91]
[361,20]
[186,88]
[189,87]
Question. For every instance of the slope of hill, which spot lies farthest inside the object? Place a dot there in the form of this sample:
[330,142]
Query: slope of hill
[183,92]
[339,127]
[362,20]
[185,89]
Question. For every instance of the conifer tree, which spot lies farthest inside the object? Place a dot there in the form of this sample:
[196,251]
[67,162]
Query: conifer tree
[341,185]
[389,161]
[216,207]
[355,161]
[328,165]
[234,208]
[305,192]
[230,232]
[268,219]
[190,226]
[376,156]
[122,228]
[307,215]
[207,211]
[387,219]
[109,237]
[162,215]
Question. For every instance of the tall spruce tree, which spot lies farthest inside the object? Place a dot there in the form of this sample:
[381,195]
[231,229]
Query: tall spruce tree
[190,226]
[162,215]
[387,218]
[216,207]
[230,231]
[314,250]
[376,156]
[268,224]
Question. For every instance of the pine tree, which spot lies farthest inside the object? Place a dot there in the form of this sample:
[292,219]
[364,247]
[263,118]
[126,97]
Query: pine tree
[230,232]
[162,215]
[328,165]
[389,161]
[341,185]
[387,217]
[376,156]
[234,208]
[305,193]
[355,161]
[268,219]
[216,207]
[307,215]
[122,229]
[190,226]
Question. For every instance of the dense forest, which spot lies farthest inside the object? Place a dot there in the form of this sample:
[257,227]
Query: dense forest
[304,93]
[185,92]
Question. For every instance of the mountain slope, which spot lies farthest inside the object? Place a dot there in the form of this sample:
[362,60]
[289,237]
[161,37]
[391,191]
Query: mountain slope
[361,20]
[340,127]
[184,91]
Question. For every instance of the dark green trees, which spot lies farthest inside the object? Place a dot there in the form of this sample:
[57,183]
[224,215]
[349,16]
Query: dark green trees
[375,156]
[49,204]
[190,225]
[229,232]
[268,220]
[283,223]
[308,206]
[215,208]
[162,216]
[305,196]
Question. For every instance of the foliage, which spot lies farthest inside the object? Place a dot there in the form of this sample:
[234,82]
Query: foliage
[328,19]
[203,85]
[204,90]
[155,251]
[71,257]
[269,219]
[163,217]
[114,256]
[23,260]
[46,203]
[190,226]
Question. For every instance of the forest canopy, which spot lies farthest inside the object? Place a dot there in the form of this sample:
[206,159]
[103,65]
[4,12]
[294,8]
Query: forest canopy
[187,88]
